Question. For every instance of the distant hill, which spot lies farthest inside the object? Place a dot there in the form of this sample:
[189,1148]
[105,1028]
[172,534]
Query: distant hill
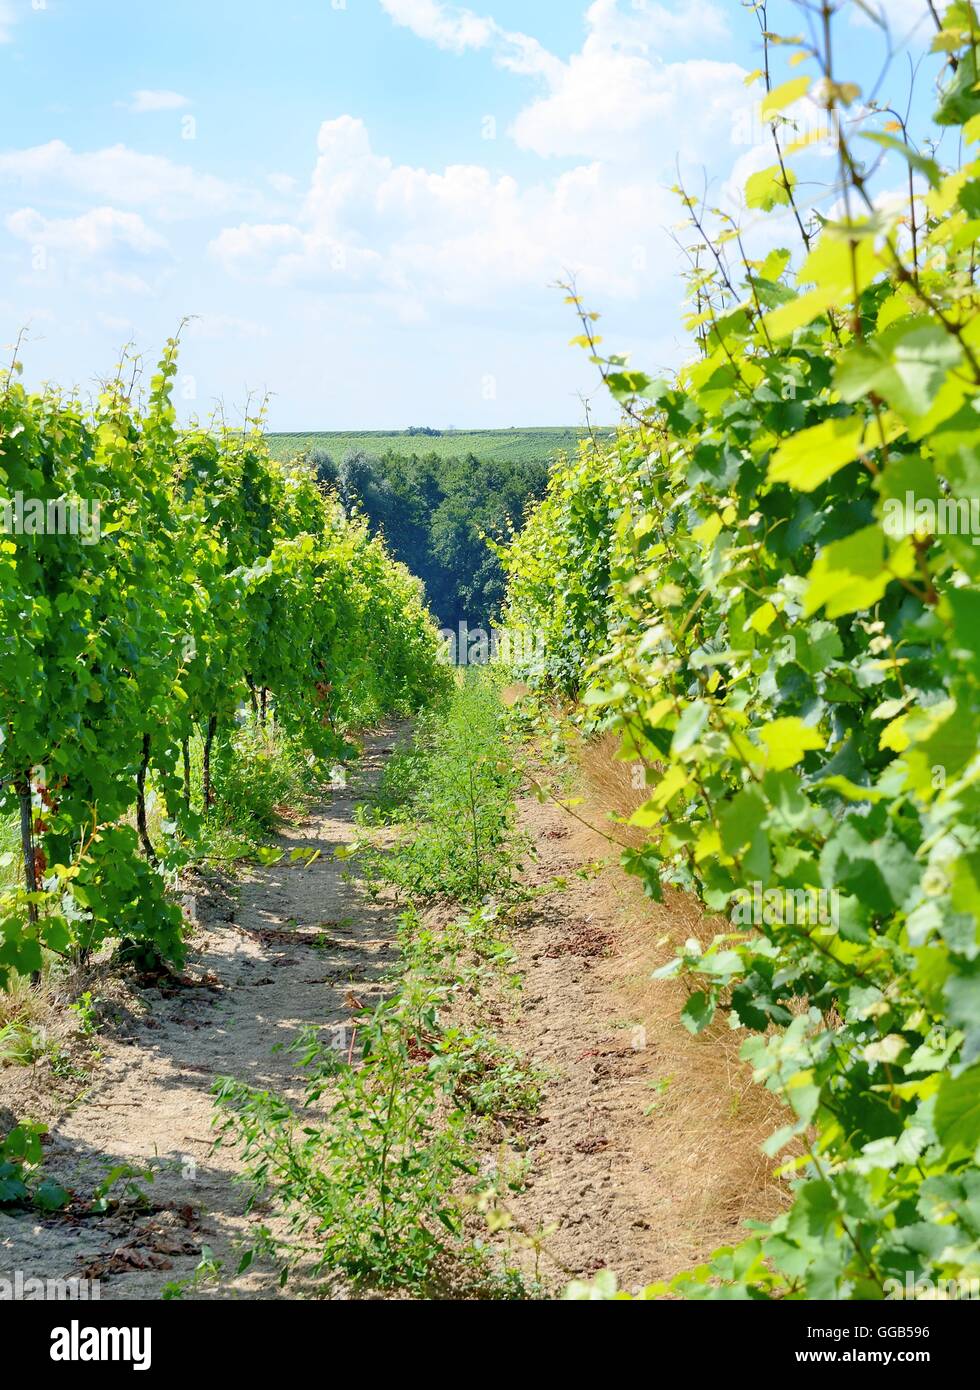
[504,446]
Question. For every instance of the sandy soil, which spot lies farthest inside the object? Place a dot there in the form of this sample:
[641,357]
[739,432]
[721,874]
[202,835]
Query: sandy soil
[276,952]
[646,1154]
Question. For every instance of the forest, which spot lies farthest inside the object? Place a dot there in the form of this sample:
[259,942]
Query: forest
[437,514]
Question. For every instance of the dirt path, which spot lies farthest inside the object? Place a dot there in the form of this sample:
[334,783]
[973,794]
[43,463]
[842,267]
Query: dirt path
[646,1155]
[283,951]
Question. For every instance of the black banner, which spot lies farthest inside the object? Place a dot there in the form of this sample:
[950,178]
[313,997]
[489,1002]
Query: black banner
[70,1339]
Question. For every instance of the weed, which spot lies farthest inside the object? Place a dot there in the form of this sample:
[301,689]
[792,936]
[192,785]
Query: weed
[21,1180]
[207,1273]
[129,1179]
[459,842]
[256,772]
[370,1190]
[661,1088]
[20,1043]
[376,1188]
[488,1077]
[85,1010]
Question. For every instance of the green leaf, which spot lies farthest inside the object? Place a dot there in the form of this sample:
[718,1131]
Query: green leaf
[690,727]
[814,455]
[698,1012]
[767,189]
[788,740]
[965,607]
[957,1115]
[50,1195]
[906,365]
[855,572]
[838,269]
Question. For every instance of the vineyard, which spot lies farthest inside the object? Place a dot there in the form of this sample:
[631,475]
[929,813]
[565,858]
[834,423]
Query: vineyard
[640,963]
[533,446]
[216,580]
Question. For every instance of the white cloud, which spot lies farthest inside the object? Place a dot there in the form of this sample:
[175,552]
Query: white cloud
[445,25]
[92,234]
[8,19]
[218,327]
[284,184]
[618,100]
[120,175]
[614,105]
[615,98]
[146,100]
[128,283]
[249,248]
[649,26]
[105,251]
[461,236]
[457,29]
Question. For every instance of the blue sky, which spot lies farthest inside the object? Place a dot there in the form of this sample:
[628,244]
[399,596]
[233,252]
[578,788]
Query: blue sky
[365,204]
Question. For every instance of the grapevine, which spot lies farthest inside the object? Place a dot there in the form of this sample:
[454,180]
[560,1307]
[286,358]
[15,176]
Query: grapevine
[788,650]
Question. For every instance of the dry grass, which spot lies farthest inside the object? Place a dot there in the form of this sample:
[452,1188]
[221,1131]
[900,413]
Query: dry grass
[36,1016]
[45,1052]
[709,1121]
[25,1003]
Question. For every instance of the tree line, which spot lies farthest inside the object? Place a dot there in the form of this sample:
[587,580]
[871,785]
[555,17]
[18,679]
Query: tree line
[436,515]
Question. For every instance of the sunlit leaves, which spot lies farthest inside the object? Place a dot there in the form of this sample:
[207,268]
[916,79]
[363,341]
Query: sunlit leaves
[769,188]
[787,741]
[811,457]
[784,95]
[214,569]
[854,573]
[906,365]
[958,1111]
[842,265]
[808,710]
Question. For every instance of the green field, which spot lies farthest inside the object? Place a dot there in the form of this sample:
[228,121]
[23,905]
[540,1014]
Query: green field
[517,445]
